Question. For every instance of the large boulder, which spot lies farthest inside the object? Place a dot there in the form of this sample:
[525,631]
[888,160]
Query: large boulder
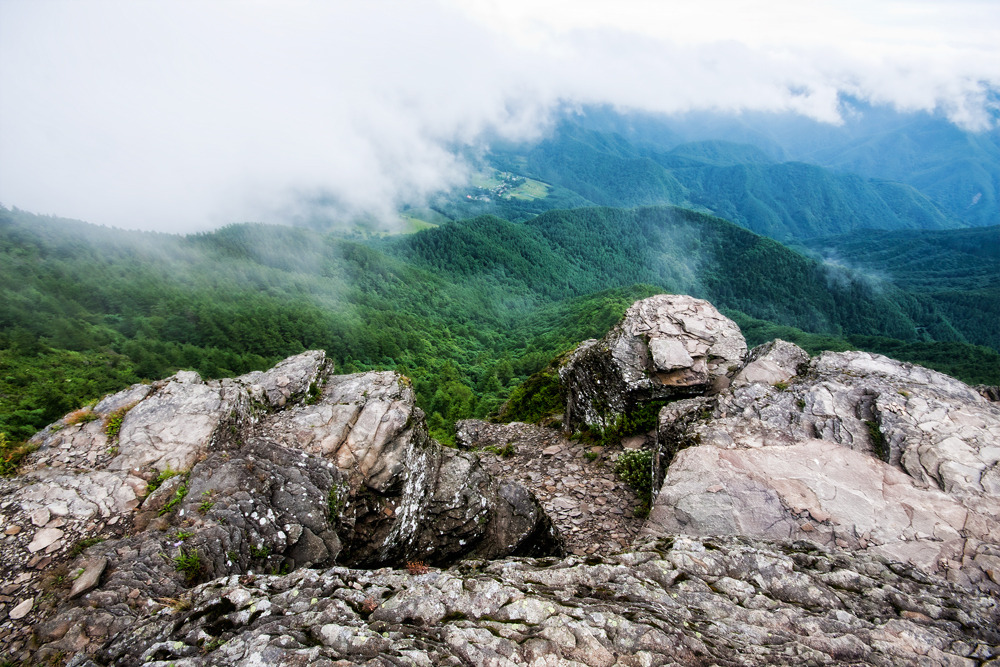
[667,346]
[849,449]
[183,481]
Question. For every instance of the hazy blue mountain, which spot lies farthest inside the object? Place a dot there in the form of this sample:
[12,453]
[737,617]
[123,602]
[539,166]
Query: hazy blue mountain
[957,169]
[737,181]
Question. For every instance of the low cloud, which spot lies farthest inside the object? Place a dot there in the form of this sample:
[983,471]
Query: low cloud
[186,115]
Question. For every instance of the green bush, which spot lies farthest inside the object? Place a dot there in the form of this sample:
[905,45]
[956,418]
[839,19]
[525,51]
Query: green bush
[635,467]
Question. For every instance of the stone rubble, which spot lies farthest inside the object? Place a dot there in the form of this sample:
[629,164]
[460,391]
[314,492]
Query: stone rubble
[591,508]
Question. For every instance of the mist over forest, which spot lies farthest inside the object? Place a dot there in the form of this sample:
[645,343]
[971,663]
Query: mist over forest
[464,192]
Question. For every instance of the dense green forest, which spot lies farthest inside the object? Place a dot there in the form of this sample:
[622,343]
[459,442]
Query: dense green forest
[468,310]
[956,270]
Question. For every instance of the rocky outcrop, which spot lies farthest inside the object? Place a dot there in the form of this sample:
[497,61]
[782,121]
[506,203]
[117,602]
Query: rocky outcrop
[849,449]
[184,481]
[666,347]
[835,510]
[681,601]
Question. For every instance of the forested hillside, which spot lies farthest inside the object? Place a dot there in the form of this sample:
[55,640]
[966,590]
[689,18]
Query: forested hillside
[957,270]
[468,309]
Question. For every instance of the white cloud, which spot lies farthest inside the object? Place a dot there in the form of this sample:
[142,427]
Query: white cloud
[183,115]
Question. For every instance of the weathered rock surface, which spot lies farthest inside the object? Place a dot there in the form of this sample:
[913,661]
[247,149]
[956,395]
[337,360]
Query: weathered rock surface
[267,472]
[666,346]
[682,601]
[854,450]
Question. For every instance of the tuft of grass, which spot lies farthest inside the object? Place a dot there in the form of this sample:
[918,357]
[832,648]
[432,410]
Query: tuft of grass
[12,455]
[81,416]
[416,567]
[175,499]
[82,545]
[177,604]
[189,563]
[506,451]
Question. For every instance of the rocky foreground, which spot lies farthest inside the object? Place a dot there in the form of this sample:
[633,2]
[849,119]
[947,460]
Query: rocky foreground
[843,509]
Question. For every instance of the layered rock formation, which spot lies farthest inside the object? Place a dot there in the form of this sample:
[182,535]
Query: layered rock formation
[683,601]
[848,449]
[268,472]
[666,346]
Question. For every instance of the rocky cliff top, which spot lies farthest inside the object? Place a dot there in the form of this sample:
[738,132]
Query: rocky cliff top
[841,509]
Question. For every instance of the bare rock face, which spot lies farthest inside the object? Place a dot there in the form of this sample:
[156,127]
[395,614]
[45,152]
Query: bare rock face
[666,346]
[852,450]
[679,601]
[404,498]
[268,472]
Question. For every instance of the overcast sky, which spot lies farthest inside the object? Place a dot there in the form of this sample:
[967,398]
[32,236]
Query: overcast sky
[184,115]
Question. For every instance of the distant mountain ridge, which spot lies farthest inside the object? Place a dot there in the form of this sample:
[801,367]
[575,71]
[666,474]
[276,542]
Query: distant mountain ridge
[749,185]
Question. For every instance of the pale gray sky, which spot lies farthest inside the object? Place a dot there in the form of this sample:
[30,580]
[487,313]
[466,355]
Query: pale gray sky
[181,115]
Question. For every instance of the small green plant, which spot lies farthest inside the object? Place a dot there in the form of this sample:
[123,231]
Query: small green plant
[780,386]
[260,552]
[591,455]
[175,499]
[212,645]
[801,403]
[635,467]
[506,451]
[205,506]
[335,501]
[83,544]
[188,562]
[879,443]
[903,393]
[113,422]
[314,393]
[182,535]
[158,481]
[281,569]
